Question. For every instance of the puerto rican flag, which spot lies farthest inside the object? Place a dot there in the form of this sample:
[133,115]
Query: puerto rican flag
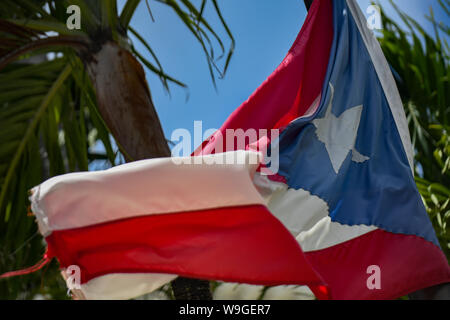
[342,200]
[130,229]
[344,187]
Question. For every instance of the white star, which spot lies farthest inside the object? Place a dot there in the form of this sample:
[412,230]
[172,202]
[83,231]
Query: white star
[339,133]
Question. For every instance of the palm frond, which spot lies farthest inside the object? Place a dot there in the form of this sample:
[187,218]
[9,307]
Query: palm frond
[200,28]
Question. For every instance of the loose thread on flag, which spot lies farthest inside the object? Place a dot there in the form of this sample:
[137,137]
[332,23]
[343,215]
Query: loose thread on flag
[39,265]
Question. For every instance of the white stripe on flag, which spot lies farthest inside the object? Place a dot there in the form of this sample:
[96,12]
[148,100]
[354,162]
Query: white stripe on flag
[119,286]
[306,216]
[153,186]
[327,233]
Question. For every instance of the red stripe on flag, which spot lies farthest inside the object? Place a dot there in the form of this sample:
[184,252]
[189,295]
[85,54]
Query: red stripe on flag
[407,263]
[237,244]
[292,88]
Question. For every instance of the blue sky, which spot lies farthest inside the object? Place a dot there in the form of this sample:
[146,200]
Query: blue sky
[264,31]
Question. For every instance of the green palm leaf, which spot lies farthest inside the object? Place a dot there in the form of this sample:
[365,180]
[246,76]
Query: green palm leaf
[50,115]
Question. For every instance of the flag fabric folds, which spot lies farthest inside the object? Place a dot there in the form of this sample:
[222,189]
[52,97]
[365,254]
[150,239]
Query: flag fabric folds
[339,213]
[134,227]
[344,185]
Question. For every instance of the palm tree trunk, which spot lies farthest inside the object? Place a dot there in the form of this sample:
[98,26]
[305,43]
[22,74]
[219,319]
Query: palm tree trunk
[125,104]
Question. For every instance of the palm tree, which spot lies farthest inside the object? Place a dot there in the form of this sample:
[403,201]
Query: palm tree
[63,90]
